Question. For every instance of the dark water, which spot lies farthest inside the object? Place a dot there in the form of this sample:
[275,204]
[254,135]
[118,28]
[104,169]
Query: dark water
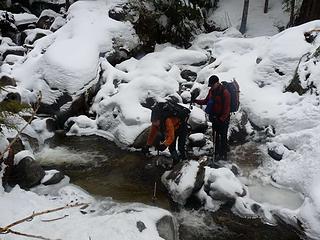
[103,169]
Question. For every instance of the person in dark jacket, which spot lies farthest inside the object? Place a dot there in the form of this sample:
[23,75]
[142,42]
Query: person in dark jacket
[219,115]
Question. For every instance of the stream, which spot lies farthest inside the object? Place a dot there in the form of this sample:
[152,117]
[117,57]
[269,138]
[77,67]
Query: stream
[105,170]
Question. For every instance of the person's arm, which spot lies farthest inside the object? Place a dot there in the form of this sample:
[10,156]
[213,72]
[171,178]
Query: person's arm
[204,101]
[152,135]
[169,132]
[226,106]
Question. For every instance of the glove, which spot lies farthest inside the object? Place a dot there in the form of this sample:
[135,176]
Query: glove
[145,150]
[161,147]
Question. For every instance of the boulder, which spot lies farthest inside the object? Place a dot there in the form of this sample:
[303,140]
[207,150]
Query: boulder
[188,75]
[53,178]
[183,180]
[141,140]
[197,140]
[27,173]
[7,81]
[167,228]
[222,185]
[46,19]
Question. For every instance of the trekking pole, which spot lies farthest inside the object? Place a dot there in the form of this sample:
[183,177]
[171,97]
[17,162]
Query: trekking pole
[154,197]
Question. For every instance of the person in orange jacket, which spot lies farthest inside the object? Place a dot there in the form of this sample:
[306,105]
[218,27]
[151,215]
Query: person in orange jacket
[218,100]
[170,129]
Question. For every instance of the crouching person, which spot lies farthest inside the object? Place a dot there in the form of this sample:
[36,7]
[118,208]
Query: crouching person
[169,129]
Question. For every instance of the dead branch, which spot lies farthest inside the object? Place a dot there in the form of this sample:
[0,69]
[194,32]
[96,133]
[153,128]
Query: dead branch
[29,235]
[42,213]
[54,219]
[7,230]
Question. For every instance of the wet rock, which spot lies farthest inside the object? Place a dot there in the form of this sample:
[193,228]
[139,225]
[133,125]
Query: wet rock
[51,124]
[141,226]
[13,96]
[27,173]
[14,50]
[7,26]
[141,140]
[149,102]
[235,170]
[166,228]
[274,154]
[122,12]
[7,81]
[188,75]
[46,19]
[55,178]
[238,129]
[197,140]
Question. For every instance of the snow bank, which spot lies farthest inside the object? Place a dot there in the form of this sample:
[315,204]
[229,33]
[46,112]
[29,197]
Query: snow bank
[101,218]
[68,60]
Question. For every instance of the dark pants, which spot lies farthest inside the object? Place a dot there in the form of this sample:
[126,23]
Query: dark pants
[180,134]
[220,137]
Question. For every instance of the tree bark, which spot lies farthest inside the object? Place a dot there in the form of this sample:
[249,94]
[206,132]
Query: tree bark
[243,25]
[292,5]
[310,10]
[266,5]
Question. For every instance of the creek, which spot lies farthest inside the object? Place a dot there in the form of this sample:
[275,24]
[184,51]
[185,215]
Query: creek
[105,170]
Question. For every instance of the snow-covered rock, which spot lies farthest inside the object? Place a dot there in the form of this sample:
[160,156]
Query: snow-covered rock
[183,180]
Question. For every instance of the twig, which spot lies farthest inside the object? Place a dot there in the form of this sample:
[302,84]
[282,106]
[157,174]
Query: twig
[29,235]
[24,127]
[41,213]
[54,219]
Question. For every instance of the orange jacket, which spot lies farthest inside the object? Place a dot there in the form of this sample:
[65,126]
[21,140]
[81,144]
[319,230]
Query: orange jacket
[171,125]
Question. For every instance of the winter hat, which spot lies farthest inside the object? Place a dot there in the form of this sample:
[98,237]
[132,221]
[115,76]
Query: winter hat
[212,80]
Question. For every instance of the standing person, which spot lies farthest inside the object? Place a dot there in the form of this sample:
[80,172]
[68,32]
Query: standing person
[218,108]
[170,129]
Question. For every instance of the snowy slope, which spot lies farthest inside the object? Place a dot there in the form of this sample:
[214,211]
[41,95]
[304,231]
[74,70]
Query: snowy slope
[229,14]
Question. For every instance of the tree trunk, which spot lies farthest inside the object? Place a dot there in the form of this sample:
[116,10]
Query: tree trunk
[67,5]
[310,10]
[292,5]
[266,5]
[244,17]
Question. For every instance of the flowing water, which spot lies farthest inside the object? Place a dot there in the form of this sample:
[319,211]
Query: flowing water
[103,169]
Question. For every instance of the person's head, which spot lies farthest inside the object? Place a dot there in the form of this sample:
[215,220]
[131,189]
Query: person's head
[213,81]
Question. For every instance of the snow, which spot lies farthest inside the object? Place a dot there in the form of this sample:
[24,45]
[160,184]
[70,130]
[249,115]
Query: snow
[65,60]
[24,18]
[229,14]
[101,218]
[69,60]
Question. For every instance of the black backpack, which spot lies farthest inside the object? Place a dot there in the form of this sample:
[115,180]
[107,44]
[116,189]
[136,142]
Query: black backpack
[163,110]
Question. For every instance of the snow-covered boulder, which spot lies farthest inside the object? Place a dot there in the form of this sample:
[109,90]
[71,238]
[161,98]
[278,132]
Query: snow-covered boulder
[197,140]
[185,179]
[222,185]
[197,120]
[47,18]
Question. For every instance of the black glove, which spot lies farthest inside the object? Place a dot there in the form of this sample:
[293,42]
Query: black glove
[161,147]
[145,150]
[194,94]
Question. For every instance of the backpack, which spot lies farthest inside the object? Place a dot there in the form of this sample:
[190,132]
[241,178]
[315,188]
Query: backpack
[163,110]
[234,90]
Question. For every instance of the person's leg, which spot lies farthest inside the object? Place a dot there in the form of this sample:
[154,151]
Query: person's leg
[224,140]
[173,152]
[182,134]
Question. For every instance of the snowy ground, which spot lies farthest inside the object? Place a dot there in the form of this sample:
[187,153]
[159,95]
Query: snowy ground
[68,65]
[229,14]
